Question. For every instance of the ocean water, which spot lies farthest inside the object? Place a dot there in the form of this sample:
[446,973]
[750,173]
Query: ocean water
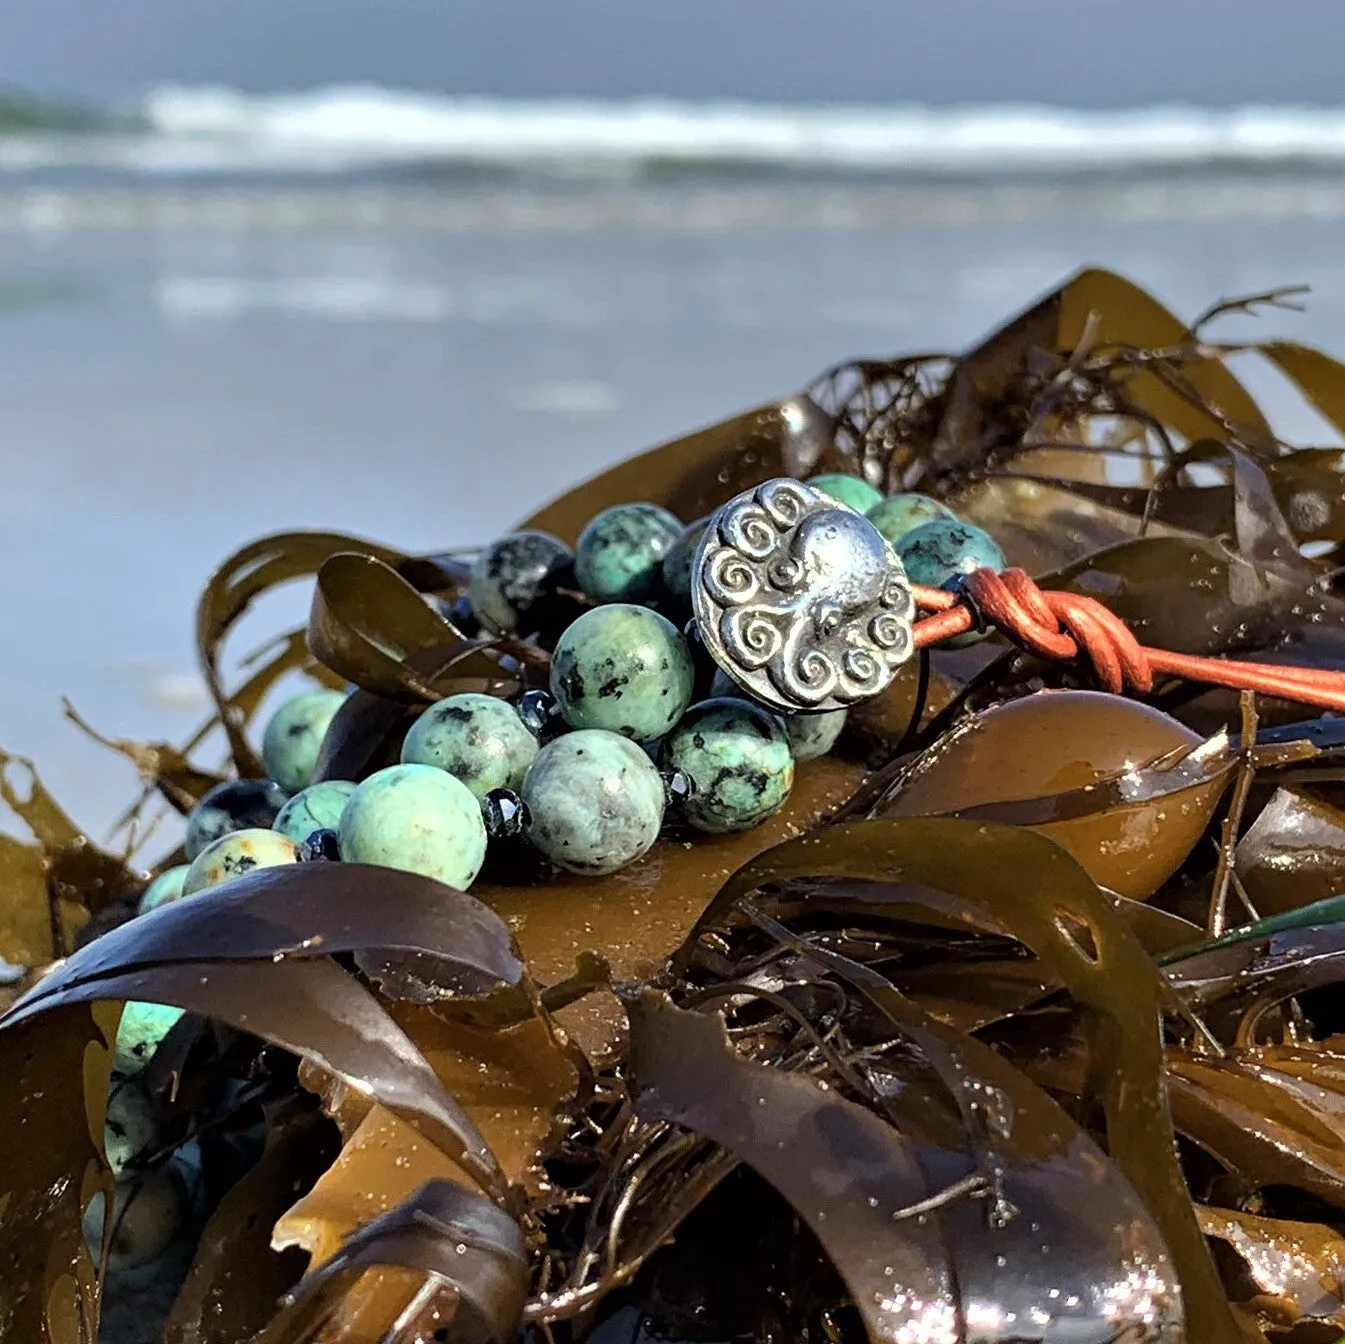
[416,319]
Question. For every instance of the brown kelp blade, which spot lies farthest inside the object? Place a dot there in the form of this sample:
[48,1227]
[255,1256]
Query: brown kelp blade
[471,1253]
[281,926]
[236,1279]
[1263,1124]
[367,621]
[1099,313]
[305,911]
[1294,852]
[1123,787]
[900,1216]
[1042,896]
[695,474]
[1294,1269]
[511,1081]
[53,1103]
[319,1012]
[49,888]
[1236,984]
[255,569]
[1204,397]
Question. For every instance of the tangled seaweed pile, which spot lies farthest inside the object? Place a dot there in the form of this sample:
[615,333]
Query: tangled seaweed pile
[1019,1021]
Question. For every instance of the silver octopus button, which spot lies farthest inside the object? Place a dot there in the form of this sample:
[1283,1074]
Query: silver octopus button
[800,599]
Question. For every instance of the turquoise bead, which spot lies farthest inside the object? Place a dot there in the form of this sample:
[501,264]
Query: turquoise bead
[139,1034]
[897,515]
[511,575]
[619,557]
[679,560]
[935,552]
[594,801]
[149,1214]
[316,808]
[624,669]
[235,854]
[737,756]
[164,890]
[293,737]
[813,735]
[417,818]
[938,552]
[478,739]
[851,490]
[133,1129]
[234,805]
[810,735]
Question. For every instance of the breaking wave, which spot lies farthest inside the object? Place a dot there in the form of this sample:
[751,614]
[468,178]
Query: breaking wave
[348,129]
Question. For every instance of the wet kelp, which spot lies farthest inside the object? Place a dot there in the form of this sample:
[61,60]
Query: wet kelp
[1019,1021]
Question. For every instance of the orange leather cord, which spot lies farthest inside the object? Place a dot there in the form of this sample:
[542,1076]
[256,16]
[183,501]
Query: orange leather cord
[1062,626]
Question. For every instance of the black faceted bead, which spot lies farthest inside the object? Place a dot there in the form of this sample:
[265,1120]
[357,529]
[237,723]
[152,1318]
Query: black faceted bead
[460,613]
[540,713]
[320,847]
[678,786]
[505,814]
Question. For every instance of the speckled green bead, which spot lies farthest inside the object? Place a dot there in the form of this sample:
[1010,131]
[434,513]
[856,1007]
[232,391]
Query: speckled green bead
[624,669]
[851,490]
[937,552]
[149,1213]
[316,808]
[737,756]
[619,556]
[133,1128]
[478,739]
[235,854]
[594,801]
[164,890]
[139,1034]
[813,735]
[235,805]
[679,560]
[293,737]
[810,735]
[417,818]
[512,575]
[897,515]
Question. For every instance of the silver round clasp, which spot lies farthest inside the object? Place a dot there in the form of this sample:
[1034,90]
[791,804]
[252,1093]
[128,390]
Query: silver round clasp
[800,599]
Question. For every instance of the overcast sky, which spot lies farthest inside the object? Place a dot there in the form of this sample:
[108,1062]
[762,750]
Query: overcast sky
[1079,52]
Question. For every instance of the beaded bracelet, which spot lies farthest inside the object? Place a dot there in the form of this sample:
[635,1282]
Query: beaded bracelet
[802,596]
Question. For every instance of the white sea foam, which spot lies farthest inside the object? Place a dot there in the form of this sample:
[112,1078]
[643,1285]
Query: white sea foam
[348,128]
